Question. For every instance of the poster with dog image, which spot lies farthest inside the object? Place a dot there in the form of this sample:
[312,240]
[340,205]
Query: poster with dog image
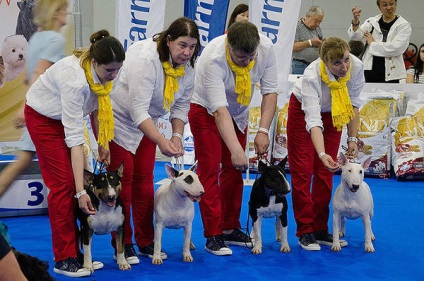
[15,31]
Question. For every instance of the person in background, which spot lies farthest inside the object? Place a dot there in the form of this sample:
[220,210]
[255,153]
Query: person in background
[415,74]
[157,78]
[307,40]
[240,13]
[356,48]
[324,101]
[55,108]
[226,72]
[387,38]
[9,266]
[46,46]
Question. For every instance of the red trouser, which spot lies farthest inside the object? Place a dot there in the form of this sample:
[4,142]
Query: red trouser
[137,189]
[54,159]
[221,205]
[310,205]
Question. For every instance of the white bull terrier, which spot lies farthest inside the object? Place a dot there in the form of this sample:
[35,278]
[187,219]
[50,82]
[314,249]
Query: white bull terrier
[352,199]
[174,208]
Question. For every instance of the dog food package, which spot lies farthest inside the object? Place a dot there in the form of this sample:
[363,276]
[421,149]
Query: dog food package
[375,115]
[408,146]
[279,150]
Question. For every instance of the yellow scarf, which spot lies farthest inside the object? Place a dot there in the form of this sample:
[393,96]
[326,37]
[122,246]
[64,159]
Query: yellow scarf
[341,106]
[243,86]
[105,114]
[171,83]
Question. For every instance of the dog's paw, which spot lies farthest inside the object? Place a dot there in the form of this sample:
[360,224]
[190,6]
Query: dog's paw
[257,250]
[285,248]
[124,266]
[336,248]
[157,261]
[369,248]
[188,258]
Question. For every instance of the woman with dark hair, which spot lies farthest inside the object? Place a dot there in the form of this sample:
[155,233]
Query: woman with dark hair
[415,74]
[157,78]
[240,13]
[56,104]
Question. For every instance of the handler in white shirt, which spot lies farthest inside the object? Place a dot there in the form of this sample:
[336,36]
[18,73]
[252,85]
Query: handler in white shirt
[144,93]
[227,70]
[54,114]
[326,100]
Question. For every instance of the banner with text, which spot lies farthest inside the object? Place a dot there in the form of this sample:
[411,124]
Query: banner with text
[277,20]
[138,19]
[210,17]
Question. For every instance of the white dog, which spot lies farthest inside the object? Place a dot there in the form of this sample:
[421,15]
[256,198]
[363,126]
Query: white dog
[174,208]
[352,199]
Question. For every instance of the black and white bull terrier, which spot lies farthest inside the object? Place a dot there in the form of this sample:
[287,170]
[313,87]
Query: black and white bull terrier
[352,199]
[268,200]
[103,189]
[174,208]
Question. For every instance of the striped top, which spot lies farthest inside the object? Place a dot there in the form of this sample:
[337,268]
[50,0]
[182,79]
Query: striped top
[411,71]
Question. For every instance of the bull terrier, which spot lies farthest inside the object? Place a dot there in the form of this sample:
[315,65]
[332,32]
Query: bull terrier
[352,199]
[174,208]
[268,200]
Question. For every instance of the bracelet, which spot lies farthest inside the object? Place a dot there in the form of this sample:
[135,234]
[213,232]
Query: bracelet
[354,139]
[355,24]
[79,194]
[321,154]
[177,135]
[310,42]
[263,130]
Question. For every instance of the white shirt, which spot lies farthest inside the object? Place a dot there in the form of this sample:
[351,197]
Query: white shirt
[392,50]
[215,82]
[139,93]
[315,95]
[62,93]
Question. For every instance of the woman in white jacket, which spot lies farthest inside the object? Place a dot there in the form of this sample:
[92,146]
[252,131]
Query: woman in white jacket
[387,37]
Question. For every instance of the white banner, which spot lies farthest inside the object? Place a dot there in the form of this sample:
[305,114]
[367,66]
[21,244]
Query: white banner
[277,20]
[138,19]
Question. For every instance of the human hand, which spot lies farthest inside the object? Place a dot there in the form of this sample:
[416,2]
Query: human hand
[329,163]
[352,150]
[316,42]
[239,160]
[368,37]
[261,143]
[85,205]
[178,143]
[168,148]
[19,121]
[104,156]
[356,14]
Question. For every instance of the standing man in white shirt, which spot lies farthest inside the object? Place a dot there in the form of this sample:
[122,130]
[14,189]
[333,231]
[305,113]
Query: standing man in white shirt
[226,72]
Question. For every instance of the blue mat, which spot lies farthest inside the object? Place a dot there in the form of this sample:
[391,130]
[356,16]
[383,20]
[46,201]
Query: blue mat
[397,224]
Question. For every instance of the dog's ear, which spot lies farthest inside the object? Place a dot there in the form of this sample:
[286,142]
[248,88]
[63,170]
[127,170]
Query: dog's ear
[342,159]
[172,173]
[88,177]
[283,162]
[120,170]
[261,166]
[366,163]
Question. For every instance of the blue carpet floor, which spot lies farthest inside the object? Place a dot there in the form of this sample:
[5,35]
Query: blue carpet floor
[398,226]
